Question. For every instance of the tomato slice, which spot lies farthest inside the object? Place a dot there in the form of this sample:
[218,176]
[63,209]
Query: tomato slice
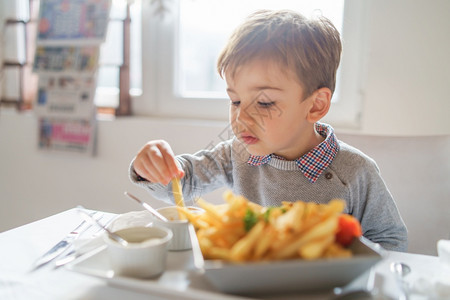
[348,228]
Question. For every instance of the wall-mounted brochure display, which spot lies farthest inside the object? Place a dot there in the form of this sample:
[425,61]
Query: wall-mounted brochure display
[69,36]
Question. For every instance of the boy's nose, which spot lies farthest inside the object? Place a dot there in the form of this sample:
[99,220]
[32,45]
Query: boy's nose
[243,117]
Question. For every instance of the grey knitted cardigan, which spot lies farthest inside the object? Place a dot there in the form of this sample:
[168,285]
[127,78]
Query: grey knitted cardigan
[352,176]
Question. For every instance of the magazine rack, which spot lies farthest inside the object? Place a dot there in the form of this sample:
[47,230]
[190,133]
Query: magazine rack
[18,83]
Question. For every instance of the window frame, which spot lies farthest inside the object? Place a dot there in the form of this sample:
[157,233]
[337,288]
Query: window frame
[159,41]
[159,69]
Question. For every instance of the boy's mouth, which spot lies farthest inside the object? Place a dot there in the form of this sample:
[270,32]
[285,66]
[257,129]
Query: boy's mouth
[248,139]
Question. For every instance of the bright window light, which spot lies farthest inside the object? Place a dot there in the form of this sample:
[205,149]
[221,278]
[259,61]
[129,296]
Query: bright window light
[205,25]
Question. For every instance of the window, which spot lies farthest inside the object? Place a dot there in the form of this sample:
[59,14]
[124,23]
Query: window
[181,48]
[17,23]
[199,45]
[175,45]
[112,54]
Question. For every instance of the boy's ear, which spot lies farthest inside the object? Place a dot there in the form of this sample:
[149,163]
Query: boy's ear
[321,101]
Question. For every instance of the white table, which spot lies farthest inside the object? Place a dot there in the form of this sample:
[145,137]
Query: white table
[21,246]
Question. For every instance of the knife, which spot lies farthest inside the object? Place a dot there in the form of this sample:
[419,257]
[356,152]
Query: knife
[62,245]
[75,254]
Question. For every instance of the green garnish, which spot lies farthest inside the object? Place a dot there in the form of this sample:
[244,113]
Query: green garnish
[267,214]
[250,219]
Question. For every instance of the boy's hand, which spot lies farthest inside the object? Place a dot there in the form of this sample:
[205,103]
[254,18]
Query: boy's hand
[156,163]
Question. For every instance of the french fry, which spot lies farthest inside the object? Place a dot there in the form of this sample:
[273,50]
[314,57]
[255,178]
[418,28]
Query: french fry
[255,207]
[239,230]
[210,209]
[273,214]
[212,220]
[263,244]
[201,224]
[241,250]
[316,248]
[177,192]
[336,250]
[219,253]
[187,214]
[291,220]
[225,237]
[205,244]
[316,213]
[327,227]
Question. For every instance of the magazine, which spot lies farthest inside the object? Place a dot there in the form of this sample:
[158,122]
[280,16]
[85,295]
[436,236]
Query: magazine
[65,96]
[67,59]
[66,135]
[69,21]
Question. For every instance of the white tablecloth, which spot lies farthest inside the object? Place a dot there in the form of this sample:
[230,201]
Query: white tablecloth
[20,247]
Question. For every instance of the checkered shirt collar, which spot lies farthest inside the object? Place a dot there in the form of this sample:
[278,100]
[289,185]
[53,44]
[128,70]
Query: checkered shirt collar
[313,163]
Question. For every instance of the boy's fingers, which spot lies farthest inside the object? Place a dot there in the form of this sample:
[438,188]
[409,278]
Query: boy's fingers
[157,163]
[149,164]
[180,173]
[171,162]
[154,172]
[142,167]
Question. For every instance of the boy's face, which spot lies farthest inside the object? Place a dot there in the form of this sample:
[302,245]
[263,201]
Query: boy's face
[267,112]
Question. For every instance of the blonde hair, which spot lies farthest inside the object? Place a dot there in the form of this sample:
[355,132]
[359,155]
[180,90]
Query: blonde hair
[311,48]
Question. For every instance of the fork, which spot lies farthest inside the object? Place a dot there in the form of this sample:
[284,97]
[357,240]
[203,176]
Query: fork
[73,254]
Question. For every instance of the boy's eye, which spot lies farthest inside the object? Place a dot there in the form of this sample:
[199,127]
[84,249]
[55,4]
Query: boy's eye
[266,104]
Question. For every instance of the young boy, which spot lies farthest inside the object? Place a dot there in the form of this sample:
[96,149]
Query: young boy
[280,69]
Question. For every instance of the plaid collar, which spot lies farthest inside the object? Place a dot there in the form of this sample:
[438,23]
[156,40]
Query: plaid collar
[315,161]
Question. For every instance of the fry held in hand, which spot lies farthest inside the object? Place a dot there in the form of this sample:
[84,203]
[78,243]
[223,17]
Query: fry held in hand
[240,230]
[177,192]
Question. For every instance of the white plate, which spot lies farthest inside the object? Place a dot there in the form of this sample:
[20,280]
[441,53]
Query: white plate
[179,281]
[182,280]
[293,275]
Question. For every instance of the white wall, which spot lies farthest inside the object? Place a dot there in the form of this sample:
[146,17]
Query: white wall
[405,97]
[407,71]
[35,184]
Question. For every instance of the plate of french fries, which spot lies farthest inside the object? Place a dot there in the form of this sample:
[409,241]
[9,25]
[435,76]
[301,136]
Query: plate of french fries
[299,246]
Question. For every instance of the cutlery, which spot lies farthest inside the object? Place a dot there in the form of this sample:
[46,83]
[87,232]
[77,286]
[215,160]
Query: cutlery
[147,207]
[199,261]
[349,292]
[111,234]
[60,247]
[359,294]
[400,270]
[65,260]
[75,254]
